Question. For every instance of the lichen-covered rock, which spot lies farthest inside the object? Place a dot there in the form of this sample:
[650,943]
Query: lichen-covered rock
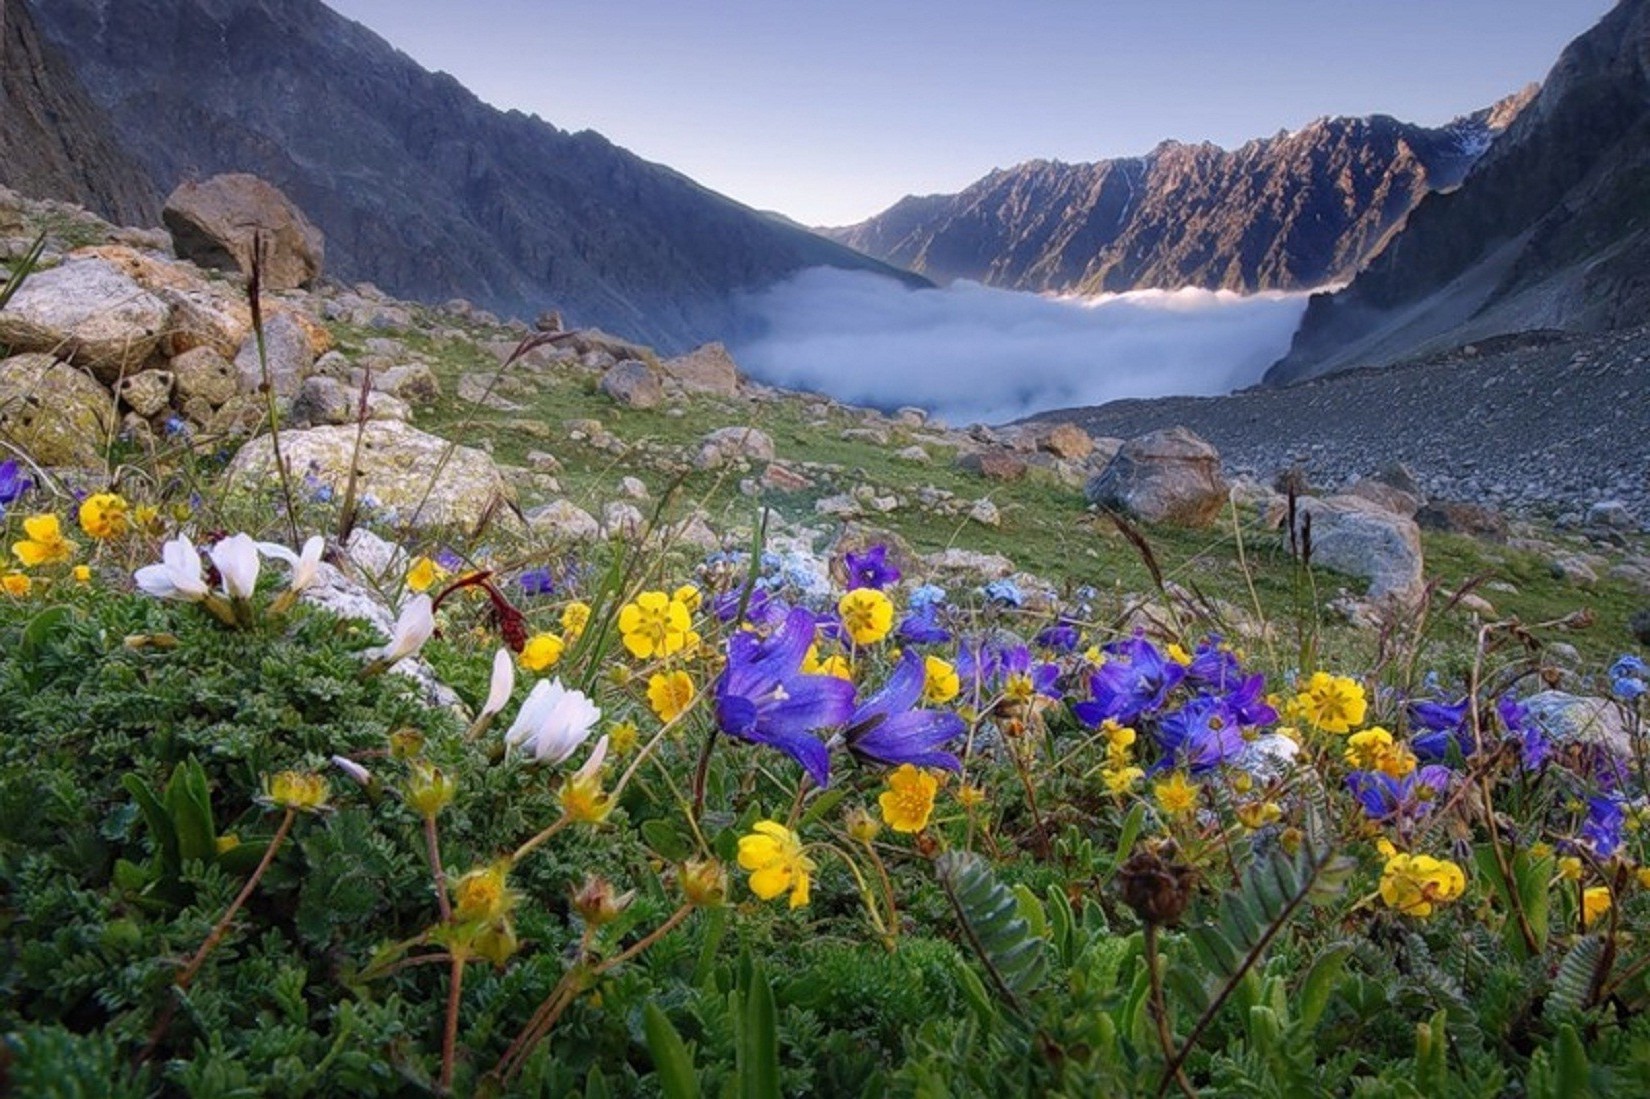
[563,520]
[415,383]
[202,372]
[729,444]
[324,400]
[1168,476]
[289,354]
[53,412]
[706,369]
[1578,718]
[420,479]
[1352,536]
[1066,441]
[89,312]
[148,392]
[993,464]
[633,384]
[213,224]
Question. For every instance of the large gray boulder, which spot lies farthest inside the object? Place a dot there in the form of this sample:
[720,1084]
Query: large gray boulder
[633,384]
[424,481]
[1168,476]
[564,521]
[213,223]
[1580,719]
[89,312]
[289,355]
[53,412]
[1358,537]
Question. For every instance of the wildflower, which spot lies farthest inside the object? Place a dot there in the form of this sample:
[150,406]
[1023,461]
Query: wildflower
[885,729]
[1006,592]
[1120,780]
[1569,868]
[12,484]
[774,856]
[1177,796]
[654,624]
[103,515]
[1062,637]
[303,791]
[926,596]
[622,737]
[423,574]
[1021,681]
[1135,679]
[1602,829]
[1201,735]
[16,584]
[541,652]
[83,574]
[922,627]
[689,596]
[1364,750]
[867,615]
[582,797]
[1119,739]
[909,800]
[1386,797]
[970,797]
[429,788]
[1213,665]
[500,686]
[412,629]
[670,693]
[1414,884]
[862,826]
[1178,654]
[939,683]
[1255,815]
[1595,902]
[871,569]
[1333,703]
[45,544]
[483,894]
[537,582]
[704,882]
[356,773]
[764,697]
[236,559]
[574,618]
[305,564]
[598,903]
[552,722]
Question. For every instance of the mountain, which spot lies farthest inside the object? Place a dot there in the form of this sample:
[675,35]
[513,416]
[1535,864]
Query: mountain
[418,185]
[1288,212]
[1551,229]
[54,141]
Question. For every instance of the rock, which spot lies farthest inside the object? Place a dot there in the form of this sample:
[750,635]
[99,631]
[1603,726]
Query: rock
[993,465]
[1458,517]
[485,389]
[200,318]
[543,461]
[289,355]
[147,393]
[213,224]
[782,478]
[985,513]
[1399,476]
[89,312]
[633,384]
[841,506]
[633,488]
[1066,441]
[345,598]
[1568,717]
[914,454]
[728,444]
[1385,496]
[1168,476]
[970,564]
[1352,536]
[325,400]
[1574,569]
[597,344]
[1611,515]
[414,383]
[424,480]
[707,369]
[381,561]
[242,414]
[697,532]
[53,412]
[874,436]
[911,416]
[565,521]
[620,519]
[202,372]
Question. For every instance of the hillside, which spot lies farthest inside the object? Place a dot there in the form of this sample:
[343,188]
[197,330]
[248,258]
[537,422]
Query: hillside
[1289,212]
[419,186]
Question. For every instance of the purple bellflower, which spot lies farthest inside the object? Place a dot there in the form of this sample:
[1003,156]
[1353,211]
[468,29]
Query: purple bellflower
[1202,735]
[871,569]
[886,730]
[1135,678]
[1385,798]
[12,483]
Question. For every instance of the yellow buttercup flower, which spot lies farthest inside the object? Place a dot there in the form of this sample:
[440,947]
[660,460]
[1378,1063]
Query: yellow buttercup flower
[44,544]
[583,799]
[909,800]
[1333,703]
[1177,796]
[1120,780]
[1595,902]
[1415,884]
[1255,815]
[103,515]
[622,737]
[1569,868]
[16,584]
[774,856]
[940,683]
[423,574]
[654,625]
[574,618]
[670,693]
[83,574]
[689,596]
[484,893]
[541,652]
[304,791]
[867,615]
[146,517]
[1363,750]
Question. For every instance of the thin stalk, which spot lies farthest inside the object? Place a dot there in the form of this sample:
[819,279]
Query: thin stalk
[1160,1014]
[449,1033]
[562,822]
[219,930]
[432,848]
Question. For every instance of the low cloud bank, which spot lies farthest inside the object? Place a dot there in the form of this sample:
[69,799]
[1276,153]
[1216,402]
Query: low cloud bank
[969,352]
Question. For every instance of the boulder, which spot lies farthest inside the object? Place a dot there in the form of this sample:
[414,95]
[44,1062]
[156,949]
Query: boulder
[148,392]
[423,480]
[1168,476]
[213,224]
[1352,536]
[53,412]
[985,513]
[289,352]
[89,312]
[1577,718]
[729,444]
[563,520]
[324,400]
[415,383]
[1066,441]
[993,465]
[201,318]
[707,369]
[1385,496]
[621,519]
[633,384]
[202,372]
[1457,517]
[1611,515]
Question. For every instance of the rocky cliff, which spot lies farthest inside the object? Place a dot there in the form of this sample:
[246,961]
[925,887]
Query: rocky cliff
[1293,211]
[418,185]
[54,141]
[1551,229]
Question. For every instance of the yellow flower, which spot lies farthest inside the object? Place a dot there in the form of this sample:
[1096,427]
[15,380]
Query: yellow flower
[103,515]
[541,651]
[484,893]
[1179,655]
[654,625]
[621,738]
[146,517]
[1569,868]
[836,664]
[939,681]
[304,791]
[1178,795]
[83,573]
[45,544]
[867,615]
[777,862]
[1595,902]
[423,574]
[1254,815]
[689,596]
[970,797]
[574,618]
[584,800]
[16,585]
[1642,874]
[909,799]
[704,882]
[669,693]
[1333,703]
[1363,750]
[1120,780]
[429,789]
[1414,884]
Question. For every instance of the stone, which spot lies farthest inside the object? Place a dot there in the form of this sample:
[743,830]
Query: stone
[985,513]
[213,224]
[1168,476]
[486,390]
[289,355]
[708,369]
[54,413]
[414,383]
[202,372]
[596,343]
[782,478]
[620,519]
[326,400]
[1383,495]
[633,488]
[147,393]
[841,506]
[1580,719]
[993,465]
[1066,441]
[970,564]
[543,461]
[728,444]
[633,384]
[563,520]
[1459,517]
[201,318]
[1352,536]
[873,436]
[242,414]
[88,312]
[915,455]
[1611,515]
[911,416]
[335,592]
[425,481]
[1574,569]
[380,560]
[697,532]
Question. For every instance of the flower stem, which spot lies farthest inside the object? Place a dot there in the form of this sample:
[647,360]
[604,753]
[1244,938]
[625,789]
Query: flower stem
[221,928]
[433,848]
[562,822]
[449,1034]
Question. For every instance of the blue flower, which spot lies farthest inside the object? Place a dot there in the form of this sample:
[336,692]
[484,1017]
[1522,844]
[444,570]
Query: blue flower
[927,595]
[921,627]
[1441,725]
[1062,637]
[537,582]
[1385,798]
[764,697]
[1626,665]
[1135,679]
[12,483]
[1202,734]
[1014,674]
[1627,688]
[886,730]
[1006,592]
[1602,829]
[871,569]
[1213,665]
[1247,702]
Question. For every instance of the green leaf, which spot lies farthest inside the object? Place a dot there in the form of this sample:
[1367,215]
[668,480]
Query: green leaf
[1132,824]
[165,836]
[189,804]
[672,1062]
[39,631]
[1013,955]
[666,839]
[1031,910]
[823,804]
[1320,984]
[757,1056]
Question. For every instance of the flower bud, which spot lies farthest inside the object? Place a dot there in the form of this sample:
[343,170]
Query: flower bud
[704,882]
[862,826]
[483,893]
[596,902]
[303,791]
[429,789]
[406,743]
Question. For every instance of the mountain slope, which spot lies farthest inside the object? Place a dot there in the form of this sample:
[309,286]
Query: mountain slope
[1550,229]
[1287,212]
[54,141]
[418,185]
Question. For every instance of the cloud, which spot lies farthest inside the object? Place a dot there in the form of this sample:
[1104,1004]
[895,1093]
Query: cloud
[969,352]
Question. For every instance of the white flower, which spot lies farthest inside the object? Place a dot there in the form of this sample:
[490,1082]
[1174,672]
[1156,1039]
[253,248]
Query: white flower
[598,756]
[553,722]
[178,576]
[504,681]
[304,564]
[412,629]
[353,769]
[236,558]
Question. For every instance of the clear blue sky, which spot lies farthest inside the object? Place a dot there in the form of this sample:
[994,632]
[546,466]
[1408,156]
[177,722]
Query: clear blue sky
[829,112]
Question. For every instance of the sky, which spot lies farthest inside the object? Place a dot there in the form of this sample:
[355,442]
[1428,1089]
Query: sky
[830,112]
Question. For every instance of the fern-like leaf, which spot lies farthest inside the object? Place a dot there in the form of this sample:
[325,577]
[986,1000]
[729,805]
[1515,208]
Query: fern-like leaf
[1574,984]
[1013,957]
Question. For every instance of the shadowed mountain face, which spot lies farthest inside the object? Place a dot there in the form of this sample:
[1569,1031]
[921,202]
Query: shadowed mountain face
[1551,229]
[418,185]
[1284,213]
[54,141]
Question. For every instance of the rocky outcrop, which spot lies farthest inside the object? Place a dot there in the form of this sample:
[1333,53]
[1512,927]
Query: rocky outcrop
[52,412]
[1355,537]
[216,223]
[633,384]
[1168,476]
[89,312]
[708,369]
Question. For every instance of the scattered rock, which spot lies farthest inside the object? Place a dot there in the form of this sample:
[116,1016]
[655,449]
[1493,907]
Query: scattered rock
[1568,717]
[485,389]
[1611,515]
[620,519]
[213,224]
[53,412]
[565,521]
[414,383]
[89,312]
[728,444]
[147,393]
[969,563]
[1065,440]
[1458,517]
[707,369]
[325,400]
[1573,569]
[841,506]
[1383,495]
[910,416]
[914,454]
[993,464]
[1352,536]
[202,372]
[200,318]
[289,353]
[1168,476]
[778,477]
[985,513]
[633,384]
[874,436]
[633,488]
